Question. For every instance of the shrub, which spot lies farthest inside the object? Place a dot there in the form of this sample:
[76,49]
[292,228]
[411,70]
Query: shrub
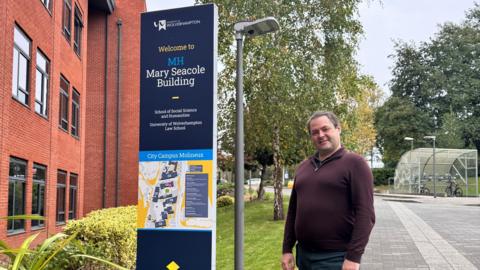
[225,189]
[223,201]
[381,175]
[108,233]
[267,196]
[268,182]
[47,254]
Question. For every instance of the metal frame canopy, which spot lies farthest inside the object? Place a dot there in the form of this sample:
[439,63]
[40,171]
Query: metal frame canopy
[418,168]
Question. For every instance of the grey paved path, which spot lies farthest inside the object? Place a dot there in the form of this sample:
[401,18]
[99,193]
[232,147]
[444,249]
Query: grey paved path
[390,246]
[428,234]
[459,225]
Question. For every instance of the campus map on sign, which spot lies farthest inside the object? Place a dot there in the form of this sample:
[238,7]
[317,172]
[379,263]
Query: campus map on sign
[175,194]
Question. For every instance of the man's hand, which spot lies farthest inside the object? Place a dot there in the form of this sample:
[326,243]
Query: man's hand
[349,265]
[288,262]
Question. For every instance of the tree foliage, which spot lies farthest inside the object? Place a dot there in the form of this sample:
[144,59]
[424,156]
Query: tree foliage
[396,119]
[307,66]
[450,134]
[440,78]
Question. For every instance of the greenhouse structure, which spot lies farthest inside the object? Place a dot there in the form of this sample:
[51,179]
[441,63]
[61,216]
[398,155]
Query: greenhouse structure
[439,171]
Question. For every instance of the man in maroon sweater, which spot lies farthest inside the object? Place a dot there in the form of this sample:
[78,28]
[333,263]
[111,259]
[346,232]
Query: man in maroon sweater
[330,215]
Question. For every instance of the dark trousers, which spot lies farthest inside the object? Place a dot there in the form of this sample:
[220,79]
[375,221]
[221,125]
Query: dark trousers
[308,260]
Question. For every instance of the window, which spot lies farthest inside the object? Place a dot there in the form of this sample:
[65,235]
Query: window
[41,84]
[38,193]
[67,18]
[77,34]
[16,194]
[21,63]
[47,4]
[64,86]
[75,112]
[61,189]
[72,210]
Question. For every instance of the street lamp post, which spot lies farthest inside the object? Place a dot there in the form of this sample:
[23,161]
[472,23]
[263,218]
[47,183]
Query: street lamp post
[410,163]
[434,175]
[248,29]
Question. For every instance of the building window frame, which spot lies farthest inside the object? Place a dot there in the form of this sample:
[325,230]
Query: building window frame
[73,188]
[61,201]
[77,31]
[47,4]
[67,19]
[63,107]
[22,46]
[38,194]
[75,125]
[16,188]
[42,82]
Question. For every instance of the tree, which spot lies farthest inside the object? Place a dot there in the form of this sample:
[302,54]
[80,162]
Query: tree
[307,66]
[358,131]
[264,157]
[396,119]
[441,77]
[450,134]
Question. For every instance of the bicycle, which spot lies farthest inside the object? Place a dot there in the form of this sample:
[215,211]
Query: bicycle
[453,190]
[423,189]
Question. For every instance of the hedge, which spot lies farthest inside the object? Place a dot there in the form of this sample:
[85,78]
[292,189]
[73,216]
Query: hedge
[381,175]
[110,234]
[225,189]
[223,201]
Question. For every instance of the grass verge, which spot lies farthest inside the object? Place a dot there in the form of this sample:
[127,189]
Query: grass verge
[263,236]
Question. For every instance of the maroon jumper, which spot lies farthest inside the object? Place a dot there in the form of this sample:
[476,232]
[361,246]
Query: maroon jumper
[331,205]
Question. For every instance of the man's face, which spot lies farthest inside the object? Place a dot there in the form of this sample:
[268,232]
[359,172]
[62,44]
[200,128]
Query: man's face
[325,136]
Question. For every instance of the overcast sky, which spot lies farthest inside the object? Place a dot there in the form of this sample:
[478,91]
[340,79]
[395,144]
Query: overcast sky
[407,20]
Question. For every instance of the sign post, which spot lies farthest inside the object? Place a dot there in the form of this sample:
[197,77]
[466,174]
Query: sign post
[176,217]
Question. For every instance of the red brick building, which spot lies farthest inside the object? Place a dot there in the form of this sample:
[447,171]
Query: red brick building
[69,102]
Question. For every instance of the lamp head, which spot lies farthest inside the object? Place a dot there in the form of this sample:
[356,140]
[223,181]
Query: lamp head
[408,139]
[430,137]
[257,27]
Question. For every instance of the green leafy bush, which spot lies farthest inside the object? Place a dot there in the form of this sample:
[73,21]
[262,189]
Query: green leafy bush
[223,201]
[46,254]
[268,182]
[225,189]
[108,233]
[381,175]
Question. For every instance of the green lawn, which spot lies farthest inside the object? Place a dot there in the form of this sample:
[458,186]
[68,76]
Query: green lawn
[263,236]
[472,188]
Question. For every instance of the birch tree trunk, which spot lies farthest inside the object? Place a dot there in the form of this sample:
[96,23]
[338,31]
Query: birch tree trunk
[277,177]
[261,190]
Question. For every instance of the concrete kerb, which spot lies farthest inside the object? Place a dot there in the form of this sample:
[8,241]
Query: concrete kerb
[468,201]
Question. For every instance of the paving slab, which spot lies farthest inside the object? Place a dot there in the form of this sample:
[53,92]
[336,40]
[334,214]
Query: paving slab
[422,232]
[437,252]
[390,245]
[456,224]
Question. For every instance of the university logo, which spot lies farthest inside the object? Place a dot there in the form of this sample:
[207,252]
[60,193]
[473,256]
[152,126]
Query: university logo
[161,24]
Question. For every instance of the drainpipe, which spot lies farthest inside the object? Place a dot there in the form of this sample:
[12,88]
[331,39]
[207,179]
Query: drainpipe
[117,167]
[105,112]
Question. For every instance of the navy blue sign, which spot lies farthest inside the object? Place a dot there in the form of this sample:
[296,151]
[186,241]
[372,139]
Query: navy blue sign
[176,79]
[177,187]
[186,249]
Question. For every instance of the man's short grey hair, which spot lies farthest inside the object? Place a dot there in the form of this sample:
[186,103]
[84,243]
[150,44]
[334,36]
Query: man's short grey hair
[330,115]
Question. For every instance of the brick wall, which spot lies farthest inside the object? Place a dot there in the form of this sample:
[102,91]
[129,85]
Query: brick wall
[26,134]
[127,156]
[130,105]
